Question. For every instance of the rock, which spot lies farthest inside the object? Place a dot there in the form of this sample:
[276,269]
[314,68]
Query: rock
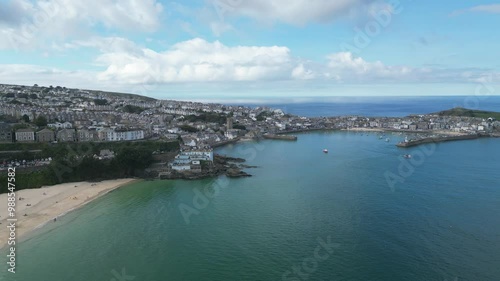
[236,173]
[248,166]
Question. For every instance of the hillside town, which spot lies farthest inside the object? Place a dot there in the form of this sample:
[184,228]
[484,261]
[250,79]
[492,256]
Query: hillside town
[31,114]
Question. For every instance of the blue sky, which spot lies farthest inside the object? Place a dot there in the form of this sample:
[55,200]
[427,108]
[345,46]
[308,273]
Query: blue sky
[237,49]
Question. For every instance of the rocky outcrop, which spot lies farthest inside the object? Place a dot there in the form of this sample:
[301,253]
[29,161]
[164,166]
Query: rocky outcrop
[222,165]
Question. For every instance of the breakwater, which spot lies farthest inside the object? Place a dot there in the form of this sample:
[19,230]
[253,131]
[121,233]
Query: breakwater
[280,137]
[437,139]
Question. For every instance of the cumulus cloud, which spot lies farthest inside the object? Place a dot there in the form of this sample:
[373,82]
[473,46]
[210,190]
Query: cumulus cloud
[301,72]
[201,62]
[32,23]
[198,60]
[345,65]
[298,12]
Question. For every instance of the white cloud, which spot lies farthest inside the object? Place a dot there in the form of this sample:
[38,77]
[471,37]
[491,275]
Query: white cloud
[35,22]
[219,27]
[490,8]
[198,60]
[297,12]
[33,74]
[300,72]
[346,66]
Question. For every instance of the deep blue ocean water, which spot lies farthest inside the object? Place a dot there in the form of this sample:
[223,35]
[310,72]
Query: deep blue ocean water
[384,106]
[359,213]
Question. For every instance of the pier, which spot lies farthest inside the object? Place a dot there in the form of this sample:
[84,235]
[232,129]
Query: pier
[437,139]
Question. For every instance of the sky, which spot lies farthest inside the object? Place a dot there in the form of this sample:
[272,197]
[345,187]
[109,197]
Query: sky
[238,49]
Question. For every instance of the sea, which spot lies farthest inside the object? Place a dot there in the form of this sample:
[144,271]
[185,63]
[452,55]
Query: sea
[395,106]
[360,212]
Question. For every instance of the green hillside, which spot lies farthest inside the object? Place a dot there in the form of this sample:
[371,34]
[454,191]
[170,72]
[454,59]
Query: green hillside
[460,111]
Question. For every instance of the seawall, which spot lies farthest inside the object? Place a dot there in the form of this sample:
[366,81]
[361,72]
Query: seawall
[437,139]
[280,137]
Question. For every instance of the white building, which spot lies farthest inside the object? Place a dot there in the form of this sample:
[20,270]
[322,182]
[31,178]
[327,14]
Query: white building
[200,154]
[25,135]
[231,134]
[58,125]
[128,135]
[108,134]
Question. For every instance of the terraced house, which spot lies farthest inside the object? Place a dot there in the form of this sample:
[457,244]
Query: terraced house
[87,135]
[66,135]
[45,135]
[5,132]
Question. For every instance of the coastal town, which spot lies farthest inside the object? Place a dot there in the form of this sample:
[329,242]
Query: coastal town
[41,114]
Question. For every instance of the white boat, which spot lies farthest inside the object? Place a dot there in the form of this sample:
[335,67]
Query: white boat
[325,150]
[387,139]
[407,156]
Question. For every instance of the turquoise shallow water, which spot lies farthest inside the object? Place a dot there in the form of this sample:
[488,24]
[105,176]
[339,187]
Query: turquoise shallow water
[439,221]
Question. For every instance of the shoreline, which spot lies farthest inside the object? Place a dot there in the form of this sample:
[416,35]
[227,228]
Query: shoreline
[418,142]
[442,133]
[42,205]
[444,136]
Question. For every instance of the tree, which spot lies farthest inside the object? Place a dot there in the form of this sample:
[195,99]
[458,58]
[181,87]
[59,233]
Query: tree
[8,118]
[262,116]
[239,126]
[100,101]
[133,109]
[19,126]
[26,118]
[188,128]
[41,121]
[33,96]
[130,159]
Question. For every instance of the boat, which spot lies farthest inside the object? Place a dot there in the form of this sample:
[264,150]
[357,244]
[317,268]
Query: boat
[325,150]
[387,139]
[407,156]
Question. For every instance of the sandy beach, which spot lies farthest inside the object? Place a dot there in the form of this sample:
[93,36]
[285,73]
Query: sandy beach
[365,129]
[42,205]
